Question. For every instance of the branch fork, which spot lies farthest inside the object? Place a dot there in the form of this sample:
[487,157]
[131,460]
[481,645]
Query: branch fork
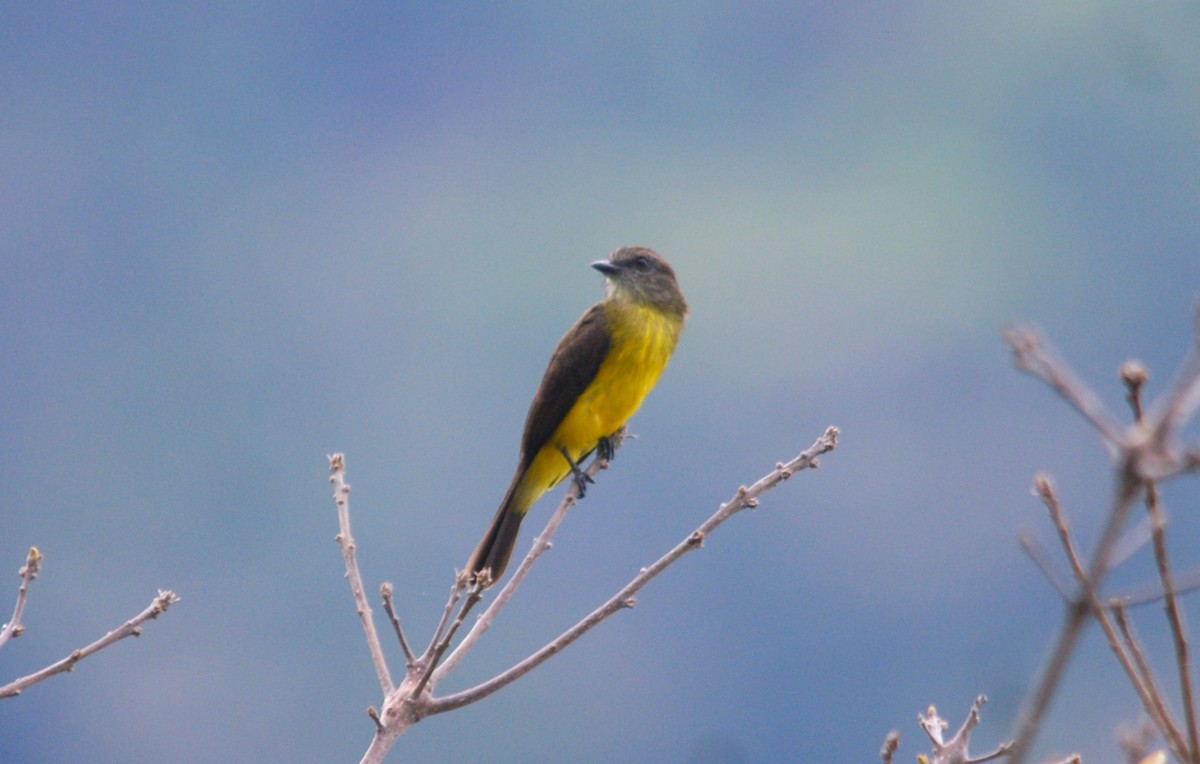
[1143,454]
[414,699]
[14,628]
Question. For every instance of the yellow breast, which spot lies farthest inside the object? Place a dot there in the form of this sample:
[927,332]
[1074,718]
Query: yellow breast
[642,342]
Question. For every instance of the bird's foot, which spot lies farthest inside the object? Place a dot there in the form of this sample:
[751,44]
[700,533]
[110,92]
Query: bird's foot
[580,477]
[606,449]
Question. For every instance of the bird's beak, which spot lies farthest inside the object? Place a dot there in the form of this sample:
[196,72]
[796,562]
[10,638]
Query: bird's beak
[606,267]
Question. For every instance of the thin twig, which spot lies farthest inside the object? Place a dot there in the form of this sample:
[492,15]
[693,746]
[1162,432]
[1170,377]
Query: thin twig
[1134,375]
[1131,542]
[540,544]
[131,628]
[744,498]
[28,572]
[1041,558]
[1157,705]
[1034,708]
[341,496]
[1175,617]
[389,607]
[371,712]
[1181,402]
[1127,652]
[460,584]
[474,594]
[954,750]
[890,744]
[1033,355]
[1169,413]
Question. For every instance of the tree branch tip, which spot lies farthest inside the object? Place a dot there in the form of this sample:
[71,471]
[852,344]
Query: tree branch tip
[930,719]
[828,440]
[371,712]
[337,462]
[1133,373]
[34,557]
[890,743]
[1021,336]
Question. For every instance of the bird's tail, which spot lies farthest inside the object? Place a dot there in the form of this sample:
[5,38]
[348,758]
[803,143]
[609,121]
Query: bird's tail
[496,548]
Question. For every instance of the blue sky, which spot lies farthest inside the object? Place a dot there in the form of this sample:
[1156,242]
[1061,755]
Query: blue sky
[235,239]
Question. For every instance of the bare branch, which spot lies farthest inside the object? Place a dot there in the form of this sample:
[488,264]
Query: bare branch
[890,744]
[540,544]
[1127,652]
[1174,617]
[474,594]
[1134,375]
[1146,685]
[1144,453]
[1034,356]
[1180,404]
[385,593]
[743,499]
[341,496]
[1041,558]
[131,628]
[460,584]
[955,751]
[413,699]
[28,572]
[1089,579]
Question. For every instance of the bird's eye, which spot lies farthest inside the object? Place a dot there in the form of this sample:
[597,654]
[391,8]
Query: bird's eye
[642,263]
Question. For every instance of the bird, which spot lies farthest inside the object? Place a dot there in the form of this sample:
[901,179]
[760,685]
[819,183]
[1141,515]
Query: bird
[597,377]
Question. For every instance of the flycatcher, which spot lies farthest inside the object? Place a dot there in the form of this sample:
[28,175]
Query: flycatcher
[600,372]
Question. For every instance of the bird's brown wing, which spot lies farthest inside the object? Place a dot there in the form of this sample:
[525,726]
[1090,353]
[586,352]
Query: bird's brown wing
[571,369]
